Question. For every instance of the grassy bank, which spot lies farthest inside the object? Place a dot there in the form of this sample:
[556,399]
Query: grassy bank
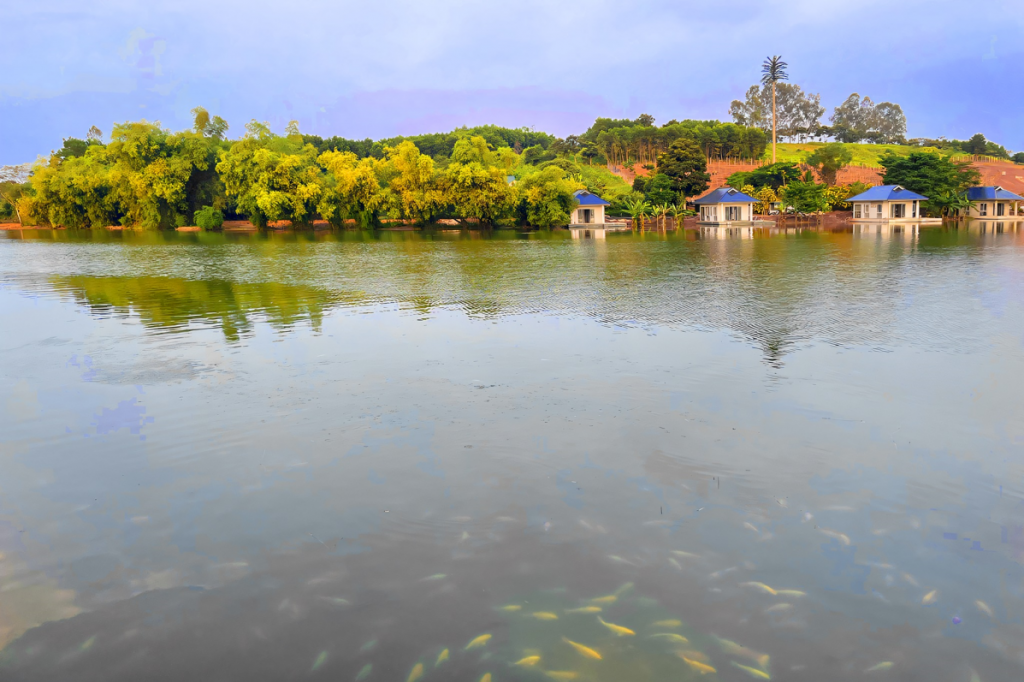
[863,154]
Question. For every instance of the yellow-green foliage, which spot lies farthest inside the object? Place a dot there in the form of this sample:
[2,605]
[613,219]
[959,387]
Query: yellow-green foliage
[863,154]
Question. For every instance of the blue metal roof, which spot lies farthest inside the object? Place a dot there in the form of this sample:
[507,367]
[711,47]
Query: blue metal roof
[585,198]
[990,193]
[726,195]
[888,193]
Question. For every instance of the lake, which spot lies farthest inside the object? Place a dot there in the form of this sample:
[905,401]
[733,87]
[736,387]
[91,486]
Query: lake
[440,456]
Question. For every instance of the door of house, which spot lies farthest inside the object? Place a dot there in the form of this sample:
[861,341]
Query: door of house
[588,215]
[1000,209]
[733,213]
[899,210]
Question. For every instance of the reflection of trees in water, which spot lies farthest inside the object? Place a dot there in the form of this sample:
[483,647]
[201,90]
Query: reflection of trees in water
[774,291]
[171,303]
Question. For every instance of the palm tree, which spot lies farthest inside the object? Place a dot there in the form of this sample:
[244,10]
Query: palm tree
[773,70]
[678,211]
[637,209]
[663,211]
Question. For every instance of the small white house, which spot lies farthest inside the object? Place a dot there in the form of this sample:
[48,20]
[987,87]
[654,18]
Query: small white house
[887,203]
[589,211]
[993,202]
[726,205]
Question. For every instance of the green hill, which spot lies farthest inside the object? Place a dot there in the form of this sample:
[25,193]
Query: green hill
[863,154]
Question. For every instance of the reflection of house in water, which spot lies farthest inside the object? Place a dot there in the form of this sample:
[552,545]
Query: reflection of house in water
[889,203]
[993,202]
[903,232]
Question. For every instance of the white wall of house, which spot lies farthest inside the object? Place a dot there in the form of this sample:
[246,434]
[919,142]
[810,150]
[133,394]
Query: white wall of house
[580,217]
[726,213]
[886,210]
[993,209]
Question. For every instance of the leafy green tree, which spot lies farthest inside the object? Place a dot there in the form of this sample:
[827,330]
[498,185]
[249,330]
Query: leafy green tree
[773,175]
[828,160]
[209,218]
[660,190]
[1018,157]
[416,192]
[977,144]
[353,188]
[929,174]
[765,196]
[548,196]
[272,179]
[806,197]
[13,183]
[685,164]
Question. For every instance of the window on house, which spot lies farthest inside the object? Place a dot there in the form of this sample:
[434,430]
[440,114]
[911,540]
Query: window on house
[914,210]
[856,210]
[878,210]
[982,209]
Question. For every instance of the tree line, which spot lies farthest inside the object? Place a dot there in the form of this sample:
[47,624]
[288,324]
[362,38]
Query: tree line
[147,176]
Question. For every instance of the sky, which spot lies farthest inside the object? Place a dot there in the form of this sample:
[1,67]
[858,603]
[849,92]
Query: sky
[400,67]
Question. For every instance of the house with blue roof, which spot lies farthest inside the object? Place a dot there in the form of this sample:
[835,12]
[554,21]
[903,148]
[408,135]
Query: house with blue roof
[589,211]
[993,202]
[886,204]
[724,206]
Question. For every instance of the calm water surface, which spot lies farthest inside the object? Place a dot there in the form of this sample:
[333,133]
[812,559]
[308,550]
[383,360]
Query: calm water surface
[348,456]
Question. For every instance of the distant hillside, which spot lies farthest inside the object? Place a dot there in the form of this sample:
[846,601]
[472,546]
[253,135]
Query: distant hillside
[863,154]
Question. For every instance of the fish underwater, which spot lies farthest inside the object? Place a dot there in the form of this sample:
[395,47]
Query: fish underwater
[778,607]
[749,526]
[623,589]
[369,645]
[320,660]
[671,623]
[337,601]
[511,607]
[416,673]
[585,609]
[486,678]
[693,655]
[842,537]
[931,597]
[87,644]
[734,649]
[672,637]
[436,576]
[562,674]
[675,564]
[607,599]
[985,608]
[364,672]
[582,649]
[477,642]
[685,555]
[528,660]
[544,615]
[620,560]
[790,593]
[702,668]
[884,665]
[617,629]
[760,586]
[441,658]
[753,672]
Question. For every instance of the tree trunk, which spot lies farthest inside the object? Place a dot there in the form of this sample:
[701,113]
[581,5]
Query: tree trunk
[773,121]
